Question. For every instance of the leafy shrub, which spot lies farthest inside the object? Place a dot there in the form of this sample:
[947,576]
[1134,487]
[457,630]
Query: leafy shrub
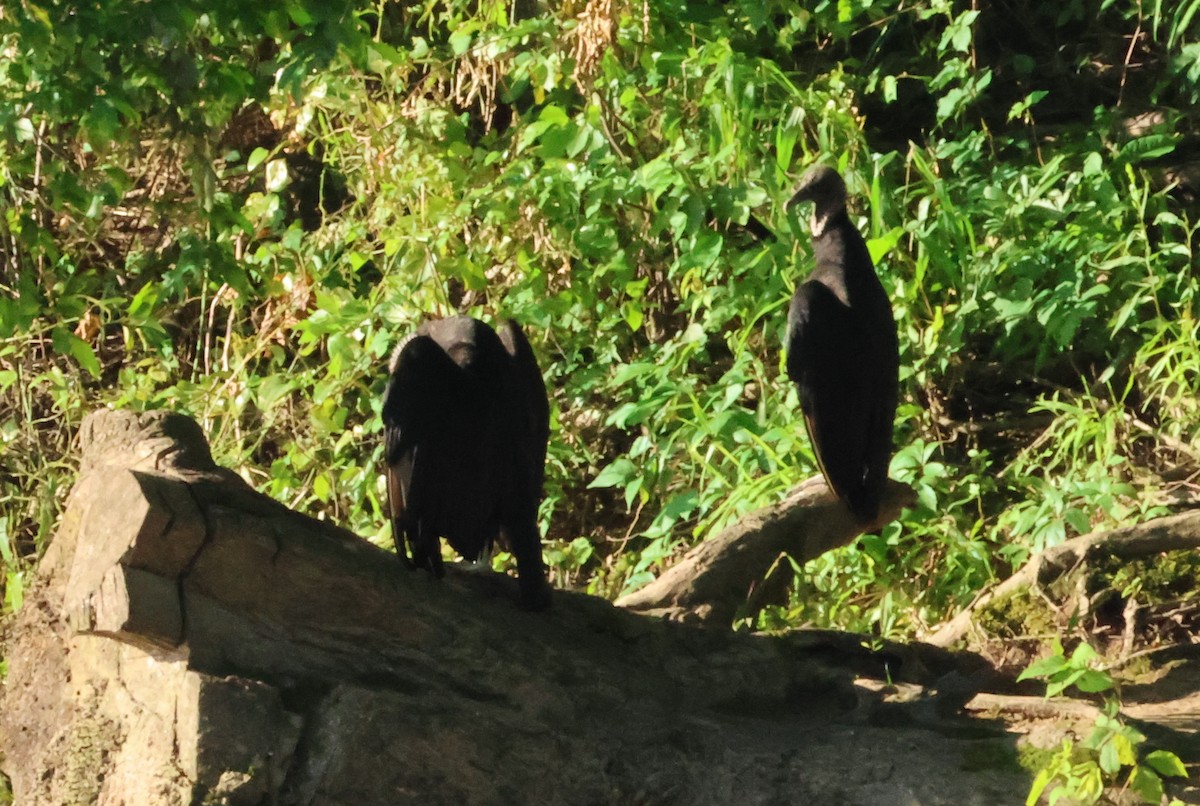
[235,212]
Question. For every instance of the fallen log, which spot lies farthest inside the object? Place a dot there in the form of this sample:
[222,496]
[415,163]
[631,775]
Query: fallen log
[189,640]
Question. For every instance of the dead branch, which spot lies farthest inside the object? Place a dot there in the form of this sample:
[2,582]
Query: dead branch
[1040,708]
[730,571]
[1173,533]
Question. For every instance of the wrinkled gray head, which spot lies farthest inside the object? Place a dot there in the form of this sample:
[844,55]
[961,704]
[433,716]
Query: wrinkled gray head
[458,336]
[823,186]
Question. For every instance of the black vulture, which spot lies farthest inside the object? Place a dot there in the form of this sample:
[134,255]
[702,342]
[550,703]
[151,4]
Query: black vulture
[842,352]
[466,422]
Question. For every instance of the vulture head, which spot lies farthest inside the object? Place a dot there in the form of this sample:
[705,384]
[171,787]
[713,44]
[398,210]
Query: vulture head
[825,189]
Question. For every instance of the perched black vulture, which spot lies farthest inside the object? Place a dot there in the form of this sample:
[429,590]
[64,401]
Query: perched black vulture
[466,422]
[842,352]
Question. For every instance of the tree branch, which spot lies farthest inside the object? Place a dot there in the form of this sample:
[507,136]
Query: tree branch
[729,571]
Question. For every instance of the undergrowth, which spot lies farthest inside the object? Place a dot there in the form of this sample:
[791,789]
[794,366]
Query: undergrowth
[235,212]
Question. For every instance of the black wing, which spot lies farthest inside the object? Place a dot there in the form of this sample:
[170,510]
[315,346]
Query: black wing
[830,359]
[531,401]
[420,393]
[529,410]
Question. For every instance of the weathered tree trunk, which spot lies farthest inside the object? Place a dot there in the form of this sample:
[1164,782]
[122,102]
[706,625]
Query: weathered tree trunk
[189,640]
[729,572]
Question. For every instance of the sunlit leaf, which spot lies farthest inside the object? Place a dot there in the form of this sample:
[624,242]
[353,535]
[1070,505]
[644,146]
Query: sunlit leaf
[68,344]
[615,474]
[1147,784]
[256,158]
[277,175]
[1166,763]
[1148,147]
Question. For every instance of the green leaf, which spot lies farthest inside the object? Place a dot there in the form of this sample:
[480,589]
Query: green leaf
[949,104]
[1147,784]
[256,158]
[383,55]
[1040,782]
[101,123]
[1148,147]
[1045,667]
[657,176]
[1126,753]
[1166,763]
[299,15]
[274,388]
[95,207]
[637,581]
[888,89]
[556,141]
[962,37]
[785,145]
[554,115]
[277,176]
[681,505]
[14,590]
[617,473]
[460,40]
[1109,758]
[321,487]
[632,312]
[6,552]
[68,344]
[25,131]
[637,369]
[1092,680]
[880,247]
[632,489]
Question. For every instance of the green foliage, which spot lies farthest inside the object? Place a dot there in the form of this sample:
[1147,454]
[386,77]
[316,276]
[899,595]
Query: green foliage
[1169,576]
[1061,672]
[236,211]
[1080,773]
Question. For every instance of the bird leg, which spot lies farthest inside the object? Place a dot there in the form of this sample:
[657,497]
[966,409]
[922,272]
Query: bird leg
[398,515]
[426,548]
[534,589]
